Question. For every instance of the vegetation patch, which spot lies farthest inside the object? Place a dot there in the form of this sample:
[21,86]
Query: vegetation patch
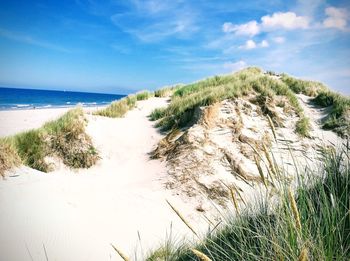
[8,157]
[64,138]
[265,87]
[303,127]
[143,95]
[166,91]
[32,147]
[118,108]
[309,88]
[251,81]
[339,116]
[312,224]
[68,140]
[157,114]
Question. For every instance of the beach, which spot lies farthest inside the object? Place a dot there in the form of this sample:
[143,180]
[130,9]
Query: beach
[143,177]
[77,214]
[16,121]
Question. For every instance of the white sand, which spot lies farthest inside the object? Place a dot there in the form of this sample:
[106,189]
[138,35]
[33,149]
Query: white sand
[77,215]
[15,121]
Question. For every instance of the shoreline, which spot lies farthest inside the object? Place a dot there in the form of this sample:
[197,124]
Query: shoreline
[21,108]
[19,120]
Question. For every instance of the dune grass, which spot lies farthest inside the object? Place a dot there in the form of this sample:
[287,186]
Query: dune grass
[144,95]
[166,91]
[339,116]
[309,88]
[8,157]
[303,127]
[181,111]
[64,138]
[312,224]
[157,114]
[118,108]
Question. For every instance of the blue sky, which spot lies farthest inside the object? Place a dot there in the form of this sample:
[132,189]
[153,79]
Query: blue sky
[122,46]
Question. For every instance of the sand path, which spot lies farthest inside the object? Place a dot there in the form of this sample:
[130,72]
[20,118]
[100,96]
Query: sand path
[76,215]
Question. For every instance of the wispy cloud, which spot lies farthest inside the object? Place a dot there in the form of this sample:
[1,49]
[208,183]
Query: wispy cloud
[155,20]
[251,28]
[27,39]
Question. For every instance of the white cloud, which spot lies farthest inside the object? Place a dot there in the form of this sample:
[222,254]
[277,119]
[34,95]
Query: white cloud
[287,20]
[279,20]
[251,28]
[234,66]
[279,39]
[264,44]
[250,44]
[336,18]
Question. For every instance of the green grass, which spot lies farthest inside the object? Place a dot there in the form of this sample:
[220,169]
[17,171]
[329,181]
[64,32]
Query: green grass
[32,149]
[303,127]
[118,108]
[64,138]
[181,111]
[272,233]
[339,116]
[166,91]
[157,114]
[143,95]
[185,99]
[310,88]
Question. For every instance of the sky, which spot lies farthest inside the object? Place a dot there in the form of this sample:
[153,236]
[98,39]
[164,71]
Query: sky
[120,46]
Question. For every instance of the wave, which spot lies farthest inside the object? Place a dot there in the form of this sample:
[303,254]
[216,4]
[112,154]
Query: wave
[23,105]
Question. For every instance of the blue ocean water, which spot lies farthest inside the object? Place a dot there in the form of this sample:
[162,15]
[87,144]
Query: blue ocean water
[14,98]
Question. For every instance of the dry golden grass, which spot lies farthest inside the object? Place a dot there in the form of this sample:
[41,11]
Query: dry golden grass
[182,218]
[120,253]
[294,210]
[234,199]
[8,157]
[272,127]
[200,255]
[261,173]
[303,255]
[165,145]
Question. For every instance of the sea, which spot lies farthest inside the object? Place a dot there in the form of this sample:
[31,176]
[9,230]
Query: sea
[19,99]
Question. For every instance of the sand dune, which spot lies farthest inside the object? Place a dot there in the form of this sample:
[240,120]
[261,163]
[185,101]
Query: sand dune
[76,215]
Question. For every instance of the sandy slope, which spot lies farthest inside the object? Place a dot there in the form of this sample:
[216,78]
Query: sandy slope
[75,216]
[218,151]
